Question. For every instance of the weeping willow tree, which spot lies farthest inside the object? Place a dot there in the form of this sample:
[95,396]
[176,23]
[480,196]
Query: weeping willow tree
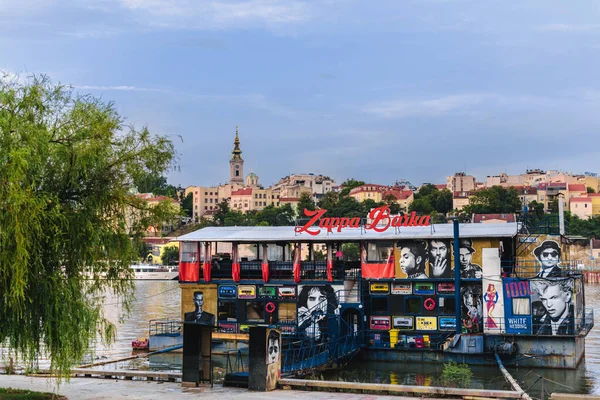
[68,218]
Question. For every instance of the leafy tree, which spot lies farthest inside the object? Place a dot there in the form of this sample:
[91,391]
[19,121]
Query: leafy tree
[348,185]
[456,375]
[422,206]
[152,183]
[221,213]
[392,202]
[329,200]
[443,202]
[554,206]
[590,189]
[367,205]
[187,205]
[496,199]
[67,168]
[351,251]
[305,202]
[347,207]
[170,255]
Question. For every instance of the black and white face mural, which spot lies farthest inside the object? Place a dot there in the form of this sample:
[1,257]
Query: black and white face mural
[472,306]
[412,259]
[273,358]
[552,306]
[548,255]
[315,304]
[440,264]
[468,269]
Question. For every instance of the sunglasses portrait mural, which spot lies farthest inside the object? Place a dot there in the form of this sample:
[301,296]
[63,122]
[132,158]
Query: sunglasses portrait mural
[548,254]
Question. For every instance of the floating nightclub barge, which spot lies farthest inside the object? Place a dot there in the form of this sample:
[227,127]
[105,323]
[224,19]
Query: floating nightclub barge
[413,292]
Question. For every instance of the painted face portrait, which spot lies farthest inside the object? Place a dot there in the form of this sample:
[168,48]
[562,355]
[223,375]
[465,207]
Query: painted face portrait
[316,300]
[555,300]
[198,299]
[465,257]
[549,258]
[408,261]
[438,250]
[274,351]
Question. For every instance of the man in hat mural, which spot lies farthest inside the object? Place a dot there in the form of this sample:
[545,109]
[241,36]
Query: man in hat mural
[467,268]
[548,254]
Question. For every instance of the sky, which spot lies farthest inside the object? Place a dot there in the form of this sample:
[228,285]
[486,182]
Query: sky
[372,90]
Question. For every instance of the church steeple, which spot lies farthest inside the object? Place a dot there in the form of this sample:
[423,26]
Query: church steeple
[236,154]
[236,164]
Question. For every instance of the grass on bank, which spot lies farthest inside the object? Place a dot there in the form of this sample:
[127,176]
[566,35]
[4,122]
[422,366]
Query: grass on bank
[21,394]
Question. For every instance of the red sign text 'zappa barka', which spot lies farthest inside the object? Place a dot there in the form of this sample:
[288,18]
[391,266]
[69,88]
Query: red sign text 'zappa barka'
[380,217]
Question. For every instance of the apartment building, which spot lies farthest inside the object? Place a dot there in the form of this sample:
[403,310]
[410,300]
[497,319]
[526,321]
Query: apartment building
[461,182]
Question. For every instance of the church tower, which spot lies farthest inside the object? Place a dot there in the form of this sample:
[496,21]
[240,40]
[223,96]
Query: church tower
[236,164]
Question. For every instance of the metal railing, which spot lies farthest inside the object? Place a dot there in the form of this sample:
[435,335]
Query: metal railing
[165,327]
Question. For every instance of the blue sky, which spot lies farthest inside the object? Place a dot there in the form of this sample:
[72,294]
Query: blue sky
[377,90]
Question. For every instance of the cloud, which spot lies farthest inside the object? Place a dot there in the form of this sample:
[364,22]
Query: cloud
[216,15]
[569,28]
[426,107]
[122,88]
[252,100]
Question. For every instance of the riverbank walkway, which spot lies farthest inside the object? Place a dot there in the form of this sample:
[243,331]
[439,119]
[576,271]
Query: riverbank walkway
[96,389]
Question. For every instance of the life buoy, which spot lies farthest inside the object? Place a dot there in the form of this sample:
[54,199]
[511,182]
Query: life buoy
[270,307]
[429,304]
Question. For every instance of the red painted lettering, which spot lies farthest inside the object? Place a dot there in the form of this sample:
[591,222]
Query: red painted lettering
[378,215]
[355,222]
[314,216]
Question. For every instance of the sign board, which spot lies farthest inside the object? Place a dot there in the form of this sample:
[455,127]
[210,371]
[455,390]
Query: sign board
[246,292]
[402,288]
[426,323]
[227,292]
[403,322]
[380,323]
[379,287]
[380,217]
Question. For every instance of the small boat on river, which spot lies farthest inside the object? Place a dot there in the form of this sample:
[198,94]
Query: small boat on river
[155,272]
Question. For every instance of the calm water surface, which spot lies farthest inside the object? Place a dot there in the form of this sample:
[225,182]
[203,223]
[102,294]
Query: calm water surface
[161,300]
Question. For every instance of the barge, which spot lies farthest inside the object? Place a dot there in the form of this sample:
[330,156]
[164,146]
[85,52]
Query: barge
[400,291]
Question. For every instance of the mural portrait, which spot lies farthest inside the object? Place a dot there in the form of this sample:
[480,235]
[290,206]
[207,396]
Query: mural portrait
[412,260]
[439,256]
[552,306]
[548,255]
[472,306]
[199,303]
[491,299]
[468,269]
[199,314]
[273,359]
[315,304]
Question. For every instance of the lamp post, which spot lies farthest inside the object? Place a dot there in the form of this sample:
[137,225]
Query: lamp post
[457,300]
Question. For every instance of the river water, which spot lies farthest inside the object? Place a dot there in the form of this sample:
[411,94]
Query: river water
[161,300]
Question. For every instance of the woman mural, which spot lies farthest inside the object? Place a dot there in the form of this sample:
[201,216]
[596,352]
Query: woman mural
[491,298]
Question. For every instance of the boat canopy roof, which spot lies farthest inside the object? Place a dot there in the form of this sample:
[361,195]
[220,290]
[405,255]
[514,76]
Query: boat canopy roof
[265,234]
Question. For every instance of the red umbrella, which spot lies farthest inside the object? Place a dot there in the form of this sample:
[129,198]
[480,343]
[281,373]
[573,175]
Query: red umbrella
[207,262]
[329,262]
[235,267]
[265,264]
[296,263]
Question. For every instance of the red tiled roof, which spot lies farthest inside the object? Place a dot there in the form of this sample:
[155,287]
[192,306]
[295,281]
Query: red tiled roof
[580,200]
[368,187]
[399,194]
[577,187]
[242,192]
[478,218]
[593,194]
[441,186]
[289,199]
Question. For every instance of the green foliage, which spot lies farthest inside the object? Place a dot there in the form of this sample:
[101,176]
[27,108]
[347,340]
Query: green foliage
[170,255]
[150,182]
[18,394]
[350,184]
[221,213]
[305,202]
[67,168]
[456,375]
[392,202]
[496,199]
[318,256]
[187,205]
[590,189]
[536,209]
[351,251]
[589,228]
[430,199]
